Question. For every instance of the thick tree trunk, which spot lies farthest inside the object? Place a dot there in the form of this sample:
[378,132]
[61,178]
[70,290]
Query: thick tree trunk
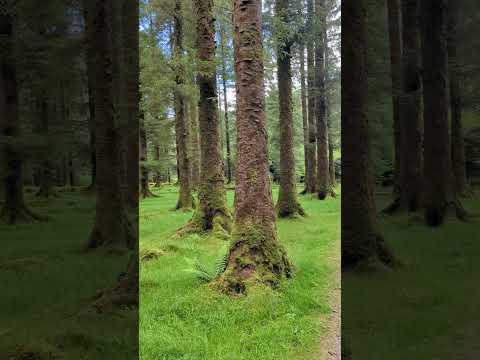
[130,41]
[212,213]
[287,204]
[112,226]
[225,100]
[361,240]
[14,209]
[185,200]
[395,40]
[458,145]
[311,175]
[323,178]
[439,188]
[303,95]
[255,253]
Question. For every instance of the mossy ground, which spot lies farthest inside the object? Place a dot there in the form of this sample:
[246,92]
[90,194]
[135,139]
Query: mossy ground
[183,318]
[47,283]
[428,308]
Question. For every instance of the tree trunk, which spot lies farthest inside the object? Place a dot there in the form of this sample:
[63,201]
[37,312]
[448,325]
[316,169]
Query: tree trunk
[361,240]
[130,42]
[144,186]
[323,179]
[255,253]
[185,200]
[287,204]
[458,145]
[395,40]
[225,100]
[158,178]
[112,226]
[194,145]
[303,95]
[439,183]
[14,209]
[311,175]
[212,213]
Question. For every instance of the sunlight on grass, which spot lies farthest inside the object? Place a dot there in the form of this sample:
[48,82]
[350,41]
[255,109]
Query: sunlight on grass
[182,318]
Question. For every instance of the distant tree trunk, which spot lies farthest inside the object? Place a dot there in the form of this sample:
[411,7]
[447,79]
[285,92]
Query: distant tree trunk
[311,175]
[287,204]
[158,180]
[112,226]
[185,200]
[395,40]
[144,186]
[361,239]
[458,145]
[439,189]
[212,213]
[14,209]
[303,95]
[410,114]
[331,160]
[323,179]
[90,62]
[130,41]
[255,253]
[225,100]
[194,144]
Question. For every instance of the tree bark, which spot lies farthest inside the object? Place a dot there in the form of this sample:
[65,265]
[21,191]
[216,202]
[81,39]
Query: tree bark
[439,189]
[255,253]
[144,173]
[112,226]
[227,126]
[194,144]
[311,175]
[323,179]
[185,200]
[458,145]
[395,40]
[14,209]
[303,95]
[287,203]
[361,239]
[212,213]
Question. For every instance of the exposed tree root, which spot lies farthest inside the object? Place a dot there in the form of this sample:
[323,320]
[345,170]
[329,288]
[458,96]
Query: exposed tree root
[147,193]
[19,215]
[123,294]
[291,211]
[220,224]
[436,216]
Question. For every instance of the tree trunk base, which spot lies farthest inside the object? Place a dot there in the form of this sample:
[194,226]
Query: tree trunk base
[20,215]
[436,216]
[147,193]
[186,205]
[123,294]
[46,193]
[220,225]
[290,210]
[255,257]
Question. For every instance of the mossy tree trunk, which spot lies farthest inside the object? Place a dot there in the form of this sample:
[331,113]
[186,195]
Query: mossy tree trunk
[311,174]
[212,213]
[458,144]
[14,209]
[361,239]
[323,177]
[287,204]
[255,253]
[185,200]
[440,194]
[194,144]
[112,226]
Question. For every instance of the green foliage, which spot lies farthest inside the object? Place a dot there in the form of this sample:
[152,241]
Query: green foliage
[206,272]
[182,317]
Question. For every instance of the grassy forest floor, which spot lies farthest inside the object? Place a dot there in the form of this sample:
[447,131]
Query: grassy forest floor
[427,309]
[182,318]
[47,284]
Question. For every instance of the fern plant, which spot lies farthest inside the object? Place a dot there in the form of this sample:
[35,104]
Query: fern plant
[207,273]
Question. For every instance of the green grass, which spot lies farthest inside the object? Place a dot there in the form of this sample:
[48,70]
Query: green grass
[182,318]
[429,308]
[47,283]
[470,119]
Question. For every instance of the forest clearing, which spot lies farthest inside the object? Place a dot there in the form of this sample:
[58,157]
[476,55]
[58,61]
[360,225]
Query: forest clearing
[181,317]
